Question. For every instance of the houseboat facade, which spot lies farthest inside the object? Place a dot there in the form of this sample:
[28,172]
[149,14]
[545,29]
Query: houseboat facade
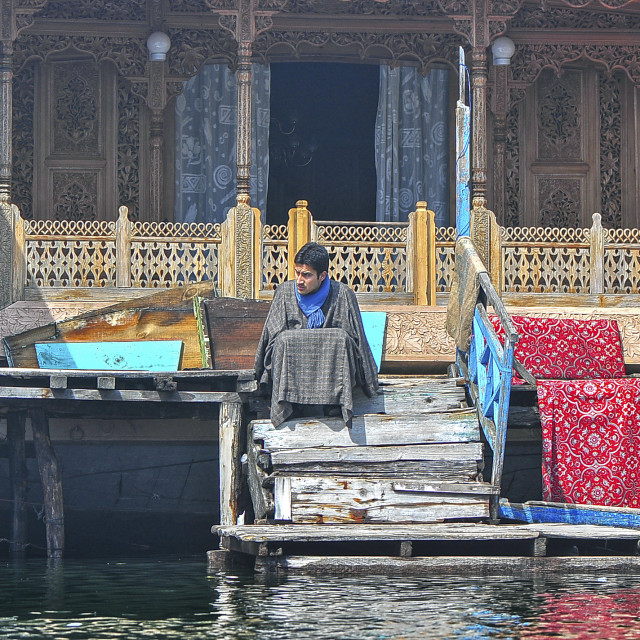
[153,144]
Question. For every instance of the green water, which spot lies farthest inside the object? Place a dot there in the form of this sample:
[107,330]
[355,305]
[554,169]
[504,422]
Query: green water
[171,598]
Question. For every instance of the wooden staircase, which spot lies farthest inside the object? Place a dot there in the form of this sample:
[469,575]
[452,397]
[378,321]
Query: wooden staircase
[412,455]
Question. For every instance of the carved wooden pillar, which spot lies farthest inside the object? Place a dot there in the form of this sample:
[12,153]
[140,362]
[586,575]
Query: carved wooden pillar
[500,108]
[6,84]
[7,259]
[156,101]
[243,133]
[245,21]
[479,124]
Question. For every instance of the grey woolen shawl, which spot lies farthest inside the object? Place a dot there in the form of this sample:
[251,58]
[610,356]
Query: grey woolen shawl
[314,366]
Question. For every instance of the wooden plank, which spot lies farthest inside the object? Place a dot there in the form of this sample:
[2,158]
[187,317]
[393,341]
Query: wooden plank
[550,512]
[449,565]
[234,327]
[283,533]
[443,470]
[229,443]
[410,395]
[418,486]
[262,500]
[372,430]
[116,395]
[50,476]
[146,355]
[166,314]
[18,477]
[419,452]
[282,499]
[344,499]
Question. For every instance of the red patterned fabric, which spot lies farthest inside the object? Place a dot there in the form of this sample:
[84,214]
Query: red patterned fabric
[591,441]
[567,349]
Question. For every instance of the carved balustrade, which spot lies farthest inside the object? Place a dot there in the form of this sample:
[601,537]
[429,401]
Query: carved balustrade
[388,262]
[54,254]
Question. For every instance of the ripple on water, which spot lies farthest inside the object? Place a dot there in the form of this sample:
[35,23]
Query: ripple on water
[170,598]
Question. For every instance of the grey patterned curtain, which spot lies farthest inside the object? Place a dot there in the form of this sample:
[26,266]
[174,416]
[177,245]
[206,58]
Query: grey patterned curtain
[412,143]
[206,116]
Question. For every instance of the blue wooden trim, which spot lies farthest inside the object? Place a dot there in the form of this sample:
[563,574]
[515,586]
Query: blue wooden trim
[147,355]
[540,512]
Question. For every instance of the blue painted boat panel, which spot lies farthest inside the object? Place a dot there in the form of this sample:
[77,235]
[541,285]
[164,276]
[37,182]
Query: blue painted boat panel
[374,323]
[540,512]
[145,355]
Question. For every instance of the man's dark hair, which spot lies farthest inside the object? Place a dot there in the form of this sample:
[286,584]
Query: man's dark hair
[314,255]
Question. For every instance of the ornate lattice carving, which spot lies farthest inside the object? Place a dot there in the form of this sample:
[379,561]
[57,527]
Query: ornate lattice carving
[95,9]
[535,16]
[22,141]
[75,195]
[528,62]
[559,117]
[129,107]
[546,260]
[445,257]
[192,48]
[368,257]
[157,264]
[274,255]
[129,54]
[611,149]
[76,112]
[560,202]
[512,213]
[365,7]
[427,49]
[189,6]
[66,253]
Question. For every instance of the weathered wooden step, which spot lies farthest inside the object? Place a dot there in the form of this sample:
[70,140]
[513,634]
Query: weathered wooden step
[452,462]
[372,430]
[414,395]
[323,499]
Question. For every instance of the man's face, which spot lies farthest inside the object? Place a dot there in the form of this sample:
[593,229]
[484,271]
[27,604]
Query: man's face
[307,279]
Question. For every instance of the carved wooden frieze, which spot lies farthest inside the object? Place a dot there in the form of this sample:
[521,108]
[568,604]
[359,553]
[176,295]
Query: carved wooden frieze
[424,48]
[418,334]
[537,16]
[95,9]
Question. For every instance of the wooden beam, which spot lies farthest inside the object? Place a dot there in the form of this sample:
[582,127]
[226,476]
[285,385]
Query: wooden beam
[49,468]
[229,443]
[18,475]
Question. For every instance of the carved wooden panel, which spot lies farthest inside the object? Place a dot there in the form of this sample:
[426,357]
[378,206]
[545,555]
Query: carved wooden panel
[75,141]
[559,142]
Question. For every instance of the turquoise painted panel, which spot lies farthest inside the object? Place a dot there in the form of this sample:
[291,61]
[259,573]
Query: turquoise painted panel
[374,323]
[147,355]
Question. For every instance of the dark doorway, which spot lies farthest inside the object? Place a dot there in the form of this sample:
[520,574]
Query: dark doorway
[321,140]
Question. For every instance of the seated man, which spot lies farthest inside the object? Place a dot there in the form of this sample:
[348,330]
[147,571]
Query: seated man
[313,349]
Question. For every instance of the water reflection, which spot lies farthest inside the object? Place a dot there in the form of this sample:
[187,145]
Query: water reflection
[179,599]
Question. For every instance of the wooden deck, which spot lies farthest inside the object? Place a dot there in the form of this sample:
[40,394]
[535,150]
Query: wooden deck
[421,548]
[401,491]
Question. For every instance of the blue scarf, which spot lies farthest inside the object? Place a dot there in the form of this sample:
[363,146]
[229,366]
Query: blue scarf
[311,304]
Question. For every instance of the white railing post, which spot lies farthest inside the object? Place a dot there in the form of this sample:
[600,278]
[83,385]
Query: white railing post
[597,255]
[123,248]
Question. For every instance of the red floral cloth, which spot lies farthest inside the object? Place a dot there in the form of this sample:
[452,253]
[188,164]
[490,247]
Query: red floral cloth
[591,441]
[566,349]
